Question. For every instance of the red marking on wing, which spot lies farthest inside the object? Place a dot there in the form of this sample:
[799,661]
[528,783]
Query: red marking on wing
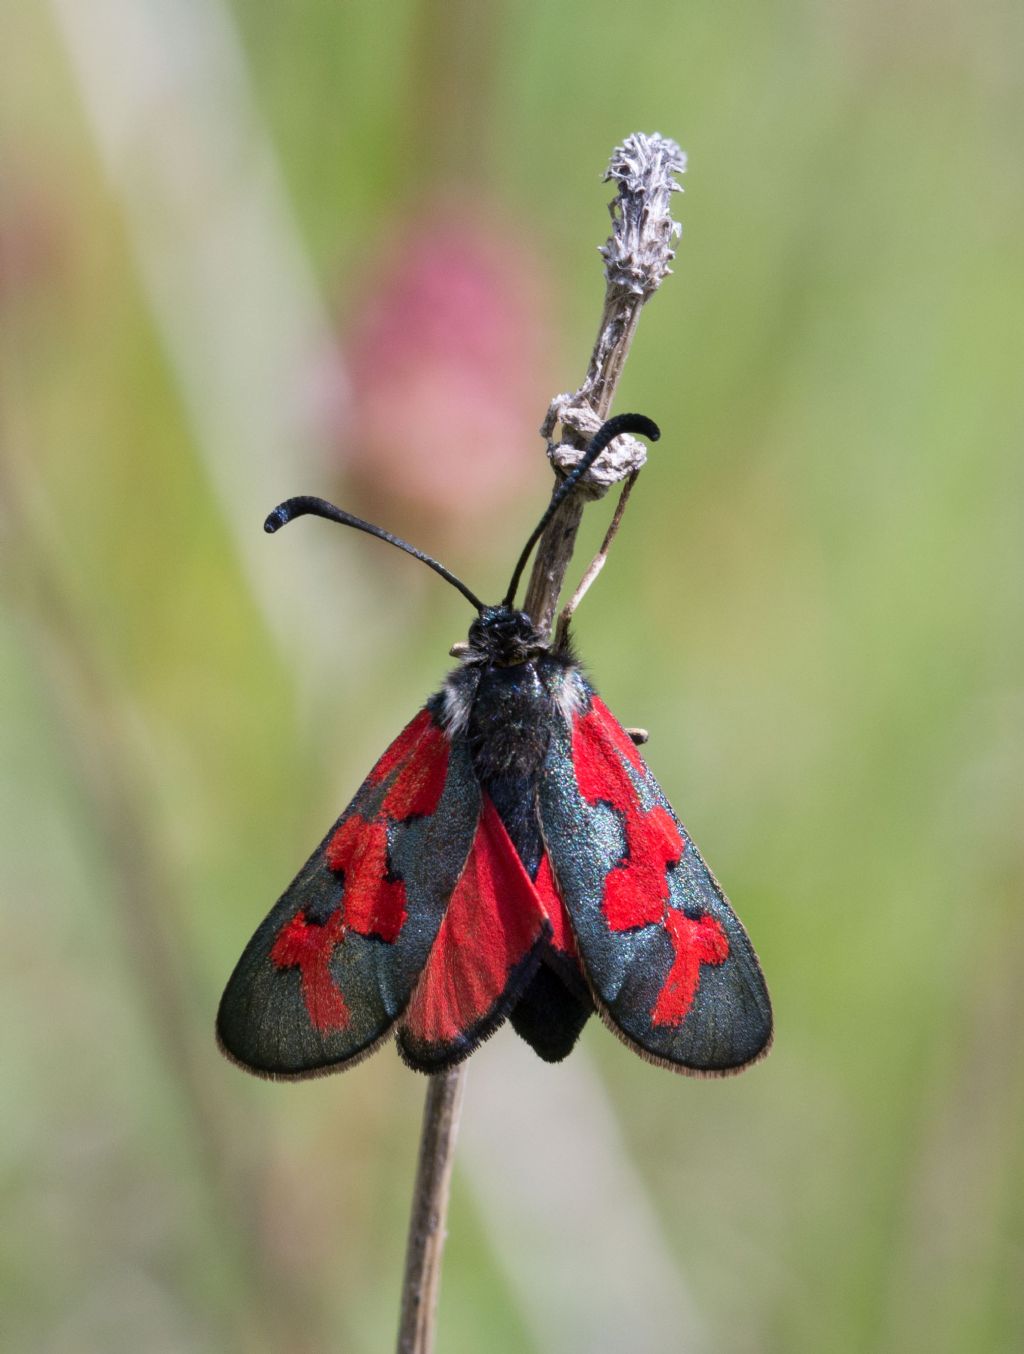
[418,787]
[309,948]
[636,890]
[615,733]
[402,747]
[373,904]
[562,937]
[695,941]
[493,920]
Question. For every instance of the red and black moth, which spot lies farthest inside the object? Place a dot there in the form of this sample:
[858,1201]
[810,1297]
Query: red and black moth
[509,857]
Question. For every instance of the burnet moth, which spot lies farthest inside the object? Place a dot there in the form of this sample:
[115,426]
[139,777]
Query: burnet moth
[509,856]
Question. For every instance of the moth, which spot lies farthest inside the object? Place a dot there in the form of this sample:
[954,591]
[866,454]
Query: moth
[510,857]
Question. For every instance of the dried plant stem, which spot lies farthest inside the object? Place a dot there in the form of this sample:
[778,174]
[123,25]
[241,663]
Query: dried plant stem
[555,548]
[596,564]
[637,257]
[430,1205]
[636,261]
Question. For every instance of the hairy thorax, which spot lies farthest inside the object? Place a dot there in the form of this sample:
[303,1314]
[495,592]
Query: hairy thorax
[509,724]
[506,695]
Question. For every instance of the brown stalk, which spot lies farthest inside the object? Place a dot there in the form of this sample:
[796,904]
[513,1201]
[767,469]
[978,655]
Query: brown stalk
[637,257]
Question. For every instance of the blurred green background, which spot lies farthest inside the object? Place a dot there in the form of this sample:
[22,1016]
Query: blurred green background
[250,250]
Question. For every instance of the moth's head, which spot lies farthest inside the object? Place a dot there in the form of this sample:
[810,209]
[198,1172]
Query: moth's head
[503,637]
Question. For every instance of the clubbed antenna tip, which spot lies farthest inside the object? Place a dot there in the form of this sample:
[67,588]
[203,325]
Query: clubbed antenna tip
[306,505]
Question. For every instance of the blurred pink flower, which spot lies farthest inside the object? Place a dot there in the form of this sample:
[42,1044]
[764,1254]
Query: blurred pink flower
[447,354]
[33,233]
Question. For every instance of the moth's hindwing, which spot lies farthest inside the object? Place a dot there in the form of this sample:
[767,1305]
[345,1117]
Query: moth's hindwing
[486,952]
[667,960]
[333,966]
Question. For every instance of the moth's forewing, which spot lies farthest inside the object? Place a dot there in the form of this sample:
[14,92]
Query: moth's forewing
[331,969]
[667,959]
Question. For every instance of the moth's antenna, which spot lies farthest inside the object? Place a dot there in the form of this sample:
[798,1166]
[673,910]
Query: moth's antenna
[305,505]
[622,423]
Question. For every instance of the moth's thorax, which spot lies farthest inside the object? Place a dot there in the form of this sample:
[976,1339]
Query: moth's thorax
[506,708]
[509,724]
